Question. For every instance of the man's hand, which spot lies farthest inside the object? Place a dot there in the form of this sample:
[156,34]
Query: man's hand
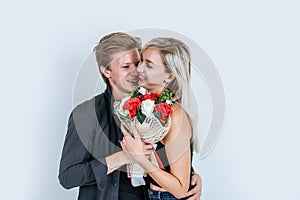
[196,192]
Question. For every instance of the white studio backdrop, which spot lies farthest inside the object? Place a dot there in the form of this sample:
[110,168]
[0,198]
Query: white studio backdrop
[253,44]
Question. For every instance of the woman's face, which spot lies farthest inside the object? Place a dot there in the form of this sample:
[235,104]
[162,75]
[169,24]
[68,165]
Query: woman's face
[151,69]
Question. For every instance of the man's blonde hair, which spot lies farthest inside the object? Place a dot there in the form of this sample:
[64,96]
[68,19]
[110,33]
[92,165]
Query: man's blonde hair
[112,44]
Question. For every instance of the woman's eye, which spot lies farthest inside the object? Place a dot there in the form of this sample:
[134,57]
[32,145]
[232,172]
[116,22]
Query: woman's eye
[148,66]
[125,66]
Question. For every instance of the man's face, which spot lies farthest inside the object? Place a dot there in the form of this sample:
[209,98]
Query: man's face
[122,72]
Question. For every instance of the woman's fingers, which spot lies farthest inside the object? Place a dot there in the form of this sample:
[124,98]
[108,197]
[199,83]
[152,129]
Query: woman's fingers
[134,145]
[134,131]
[149,147]
[124,131]
[123,145]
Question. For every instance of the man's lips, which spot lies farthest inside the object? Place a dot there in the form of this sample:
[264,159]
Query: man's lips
[133,80]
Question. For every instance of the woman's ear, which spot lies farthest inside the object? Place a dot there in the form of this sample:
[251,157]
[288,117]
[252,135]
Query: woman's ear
[170,78]
[105,72]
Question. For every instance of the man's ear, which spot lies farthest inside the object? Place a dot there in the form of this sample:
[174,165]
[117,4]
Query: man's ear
[105,72]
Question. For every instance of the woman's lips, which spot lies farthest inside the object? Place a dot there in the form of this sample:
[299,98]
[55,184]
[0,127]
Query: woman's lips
[141,78]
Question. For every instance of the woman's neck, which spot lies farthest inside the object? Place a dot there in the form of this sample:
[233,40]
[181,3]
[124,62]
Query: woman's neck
[157,89]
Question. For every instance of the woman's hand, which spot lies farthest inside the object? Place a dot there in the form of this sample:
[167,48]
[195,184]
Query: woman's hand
[136,148]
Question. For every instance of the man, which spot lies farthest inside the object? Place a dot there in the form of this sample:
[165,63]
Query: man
[91,152]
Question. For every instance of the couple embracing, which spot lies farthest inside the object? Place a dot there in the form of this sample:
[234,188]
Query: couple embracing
[98,146]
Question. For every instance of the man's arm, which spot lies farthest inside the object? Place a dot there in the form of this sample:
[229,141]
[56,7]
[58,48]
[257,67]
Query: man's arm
[77,165]
[116,160]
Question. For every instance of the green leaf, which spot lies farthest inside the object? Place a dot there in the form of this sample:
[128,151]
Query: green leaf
[157,114]
[164,96]
[141,117]
[135,92]
[125,119]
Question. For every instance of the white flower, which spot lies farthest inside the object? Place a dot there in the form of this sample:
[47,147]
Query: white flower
[169,102]
[142,90]
[148,107]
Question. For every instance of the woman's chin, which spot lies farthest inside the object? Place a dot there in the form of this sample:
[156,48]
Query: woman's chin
[142,84]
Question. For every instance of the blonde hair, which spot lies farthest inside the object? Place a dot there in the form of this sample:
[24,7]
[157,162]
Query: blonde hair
[112,44]
[177,60]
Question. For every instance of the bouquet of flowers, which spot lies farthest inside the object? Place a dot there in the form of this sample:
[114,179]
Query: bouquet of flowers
[150,114]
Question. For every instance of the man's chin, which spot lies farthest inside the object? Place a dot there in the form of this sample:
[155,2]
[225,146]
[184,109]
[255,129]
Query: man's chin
[130,86]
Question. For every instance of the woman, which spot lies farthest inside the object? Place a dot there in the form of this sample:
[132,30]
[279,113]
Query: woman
[166,64]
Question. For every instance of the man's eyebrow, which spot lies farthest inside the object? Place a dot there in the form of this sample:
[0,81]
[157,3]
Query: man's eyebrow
[127,63]
[130,63]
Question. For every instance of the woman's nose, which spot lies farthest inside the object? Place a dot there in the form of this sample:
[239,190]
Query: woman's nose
[140,67]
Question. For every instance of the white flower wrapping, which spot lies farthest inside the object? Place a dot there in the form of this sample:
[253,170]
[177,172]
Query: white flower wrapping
[151,131]
[142,90]
[121,111]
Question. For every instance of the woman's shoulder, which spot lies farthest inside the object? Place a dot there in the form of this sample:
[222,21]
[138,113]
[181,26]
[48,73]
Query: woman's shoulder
[178,111]
[180,123]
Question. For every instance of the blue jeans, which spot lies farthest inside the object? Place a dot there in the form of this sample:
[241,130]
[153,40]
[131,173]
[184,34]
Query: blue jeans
[157,195]
[129,196]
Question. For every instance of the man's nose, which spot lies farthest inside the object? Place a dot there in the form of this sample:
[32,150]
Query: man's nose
[134,70]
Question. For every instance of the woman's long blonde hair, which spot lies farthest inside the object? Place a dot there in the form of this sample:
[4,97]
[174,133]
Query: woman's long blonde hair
[177,59]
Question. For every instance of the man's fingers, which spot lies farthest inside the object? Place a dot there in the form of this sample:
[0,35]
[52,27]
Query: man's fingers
[194,194]
[194,197]
[193,181]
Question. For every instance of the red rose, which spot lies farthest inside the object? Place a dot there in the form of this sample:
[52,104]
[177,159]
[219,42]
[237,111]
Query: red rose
[131,105]
[164,110]
[149,96]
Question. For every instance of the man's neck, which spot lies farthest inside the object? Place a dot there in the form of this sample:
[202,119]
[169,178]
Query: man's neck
[118,95]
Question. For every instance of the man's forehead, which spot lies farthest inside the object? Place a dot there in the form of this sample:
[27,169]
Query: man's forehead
[127,56]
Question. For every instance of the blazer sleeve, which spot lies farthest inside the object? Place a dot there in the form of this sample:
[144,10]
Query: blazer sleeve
[77,166]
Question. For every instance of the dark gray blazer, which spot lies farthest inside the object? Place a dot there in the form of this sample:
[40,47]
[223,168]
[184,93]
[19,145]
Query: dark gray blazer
[92,135]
